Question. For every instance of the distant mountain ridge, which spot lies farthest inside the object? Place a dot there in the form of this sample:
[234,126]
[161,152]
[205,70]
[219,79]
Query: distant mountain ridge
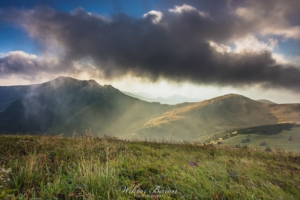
[69,106]
[171,100]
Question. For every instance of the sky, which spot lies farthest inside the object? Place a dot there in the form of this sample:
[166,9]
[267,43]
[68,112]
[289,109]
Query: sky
[196,48]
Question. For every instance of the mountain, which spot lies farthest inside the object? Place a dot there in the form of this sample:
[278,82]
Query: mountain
[9,94]
[68,106]
[200,121]
[171,100]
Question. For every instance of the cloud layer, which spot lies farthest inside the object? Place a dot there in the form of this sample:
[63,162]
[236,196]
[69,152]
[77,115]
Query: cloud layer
[180,44]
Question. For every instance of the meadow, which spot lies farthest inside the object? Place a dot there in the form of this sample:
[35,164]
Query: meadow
[44,167]
[288,140]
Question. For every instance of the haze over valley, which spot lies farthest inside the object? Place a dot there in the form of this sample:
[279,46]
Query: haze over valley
[70,107]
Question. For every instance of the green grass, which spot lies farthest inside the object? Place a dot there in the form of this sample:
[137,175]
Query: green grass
[288,140]
[43,167]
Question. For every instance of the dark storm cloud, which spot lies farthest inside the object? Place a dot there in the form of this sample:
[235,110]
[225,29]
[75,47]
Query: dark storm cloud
[18,63]
[177,48]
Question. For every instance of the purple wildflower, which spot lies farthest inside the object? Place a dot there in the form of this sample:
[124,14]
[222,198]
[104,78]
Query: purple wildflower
[193,164]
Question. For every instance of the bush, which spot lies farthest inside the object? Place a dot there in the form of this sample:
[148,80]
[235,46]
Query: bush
[263,144]
[246,140]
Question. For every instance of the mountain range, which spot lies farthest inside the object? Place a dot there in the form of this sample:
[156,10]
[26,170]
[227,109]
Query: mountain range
[171,100]
[69,107]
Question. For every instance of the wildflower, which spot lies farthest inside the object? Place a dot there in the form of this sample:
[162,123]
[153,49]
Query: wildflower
[234,175]
[193,164]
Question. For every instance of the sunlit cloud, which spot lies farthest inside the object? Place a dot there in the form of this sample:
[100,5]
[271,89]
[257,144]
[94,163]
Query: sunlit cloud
[187,8]
[157,16]
[220,48]
[252,44]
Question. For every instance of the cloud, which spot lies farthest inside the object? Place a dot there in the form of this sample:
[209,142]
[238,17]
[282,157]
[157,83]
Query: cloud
[31,67]
[157,16]
[271,17]
[2,55]
[187,8]
[220,48]
[178,45]
[18,62]
[252,44]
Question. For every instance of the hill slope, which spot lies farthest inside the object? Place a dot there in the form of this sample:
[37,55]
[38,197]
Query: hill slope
[48,107]
[116,116]
[204,119]
[9,94]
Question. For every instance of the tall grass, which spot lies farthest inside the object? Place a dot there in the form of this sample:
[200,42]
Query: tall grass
[44,167]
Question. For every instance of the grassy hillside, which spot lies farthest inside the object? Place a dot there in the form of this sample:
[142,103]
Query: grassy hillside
[106,168]
[286,113]
[117,116]
[201,120]
[283,136]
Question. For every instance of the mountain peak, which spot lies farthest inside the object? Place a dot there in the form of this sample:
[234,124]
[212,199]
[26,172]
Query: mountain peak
[231,96]
[66,80]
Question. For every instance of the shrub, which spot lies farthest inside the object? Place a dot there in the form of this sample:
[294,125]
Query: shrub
[246,140]
[263,144]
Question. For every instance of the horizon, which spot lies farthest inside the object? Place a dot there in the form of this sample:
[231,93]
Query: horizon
[145,95]
[197,49]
